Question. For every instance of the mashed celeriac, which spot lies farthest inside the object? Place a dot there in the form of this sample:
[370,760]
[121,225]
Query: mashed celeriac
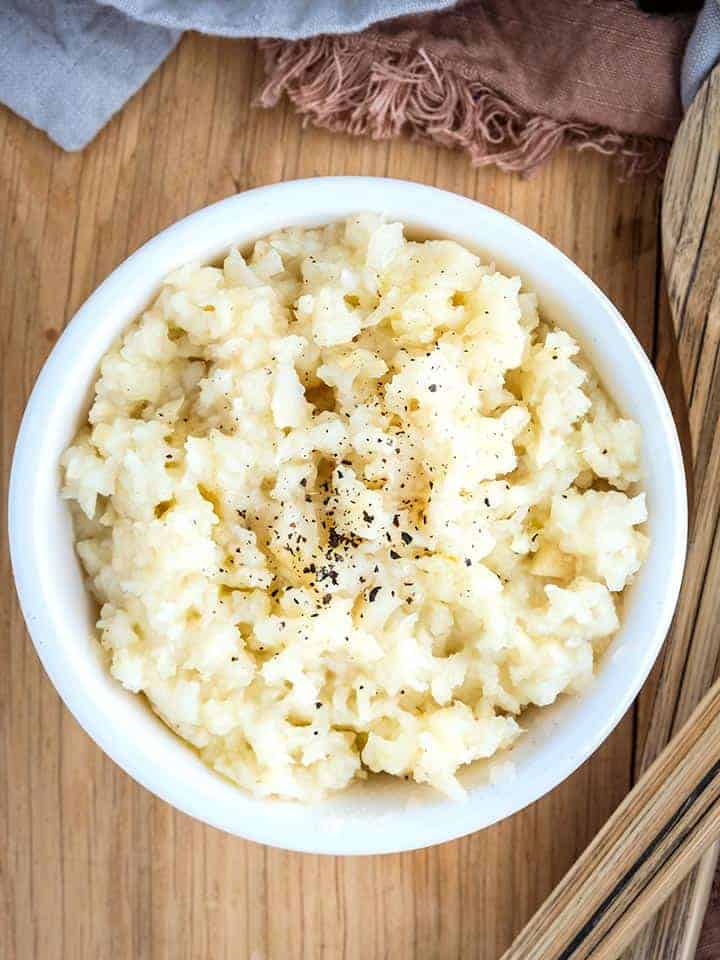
[350,505]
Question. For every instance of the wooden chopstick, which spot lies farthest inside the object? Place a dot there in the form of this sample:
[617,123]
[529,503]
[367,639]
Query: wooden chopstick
[648,845]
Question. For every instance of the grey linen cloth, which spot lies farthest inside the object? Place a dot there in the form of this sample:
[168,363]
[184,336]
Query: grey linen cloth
[702,52]
[67,66]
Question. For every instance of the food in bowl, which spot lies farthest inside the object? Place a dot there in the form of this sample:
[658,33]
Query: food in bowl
[352,505]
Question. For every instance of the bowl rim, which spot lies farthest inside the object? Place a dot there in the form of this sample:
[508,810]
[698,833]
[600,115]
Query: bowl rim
[28,572]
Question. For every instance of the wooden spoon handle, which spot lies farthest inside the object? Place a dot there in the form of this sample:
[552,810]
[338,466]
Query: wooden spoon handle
[648,845]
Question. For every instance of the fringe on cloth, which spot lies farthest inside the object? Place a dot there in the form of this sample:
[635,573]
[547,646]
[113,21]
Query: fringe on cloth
[367,87]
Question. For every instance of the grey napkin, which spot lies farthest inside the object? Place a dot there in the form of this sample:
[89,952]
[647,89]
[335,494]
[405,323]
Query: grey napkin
[703,51]
[289,19]
[68,65]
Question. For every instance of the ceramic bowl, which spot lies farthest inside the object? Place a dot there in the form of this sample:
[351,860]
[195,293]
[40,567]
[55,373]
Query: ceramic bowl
[380,815]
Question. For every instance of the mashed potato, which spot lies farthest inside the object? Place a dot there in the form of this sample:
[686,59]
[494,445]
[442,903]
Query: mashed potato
[350,505]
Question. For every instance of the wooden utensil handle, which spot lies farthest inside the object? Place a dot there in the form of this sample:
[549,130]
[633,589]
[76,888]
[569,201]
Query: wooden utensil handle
[648,845]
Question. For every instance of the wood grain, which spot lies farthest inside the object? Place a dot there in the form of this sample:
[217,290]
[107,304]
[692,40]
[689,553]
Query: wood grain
[94,866]
[691,248]
[649,844]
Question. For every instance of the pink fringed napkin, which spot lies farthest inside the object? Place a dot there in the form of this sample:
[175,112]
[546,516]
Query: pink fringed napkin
[507,80]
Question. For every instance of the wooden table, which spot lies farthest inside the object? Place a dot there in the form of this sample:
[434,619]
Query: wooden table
[95,867]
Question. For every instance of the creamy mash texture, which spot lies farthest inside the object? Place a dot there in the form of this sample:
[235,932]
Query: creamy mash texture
[351,505]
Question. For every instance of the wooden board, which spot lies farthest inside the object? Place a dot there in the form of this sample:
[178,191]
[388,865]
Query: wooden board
[691,254]
[93,866]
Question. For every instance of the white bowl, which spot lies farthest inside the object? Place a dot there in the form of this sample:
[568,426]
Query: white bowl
[381,815]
